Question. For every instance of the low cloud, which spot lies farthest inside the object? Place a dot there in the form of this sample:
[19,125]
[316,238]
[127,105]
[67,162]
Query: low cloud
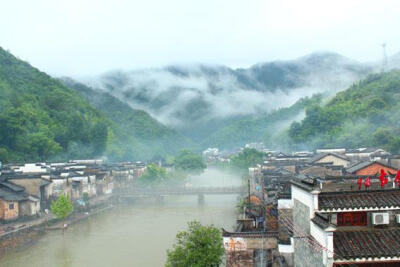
[178,95]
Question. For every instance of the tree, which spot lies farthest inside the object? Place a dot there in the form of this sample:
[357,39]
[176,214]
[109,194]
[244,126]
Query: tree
[186,160]
[198,246]
[153,174]
[62,208]
[247,158]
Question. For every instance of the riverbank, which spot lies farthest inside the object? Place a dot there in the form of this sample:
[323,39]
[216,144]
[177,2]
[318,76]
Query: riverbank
[24,234]
[126,235]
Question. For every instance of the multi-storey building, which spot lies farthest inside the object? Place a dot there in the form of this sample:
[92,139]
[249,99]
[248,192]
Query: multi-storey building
[335,224]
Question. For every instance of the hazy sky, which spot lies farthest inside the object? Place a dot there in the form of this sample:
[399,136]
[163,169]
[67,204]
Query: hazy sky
[85,37]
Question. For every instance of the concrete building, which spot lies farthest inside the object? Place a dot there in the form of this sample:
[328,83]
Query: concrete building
[332,227]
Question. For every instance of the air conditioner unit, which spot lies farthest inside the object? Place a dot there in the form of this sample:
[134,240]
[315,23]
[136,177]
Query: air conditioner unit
[380,218]
[398,218]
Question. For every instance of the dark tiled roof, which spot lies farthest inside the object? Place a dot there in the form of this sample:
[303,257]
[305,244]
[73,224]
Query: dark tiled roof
[321,221]
[366,244]
[9,195]
[12,187]
[365,150]
[359,199]
[322,155]
[255,234]
[303,184]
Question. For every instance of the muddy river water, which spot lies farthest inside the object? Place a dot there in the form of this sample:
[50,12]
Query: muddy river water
[130,235]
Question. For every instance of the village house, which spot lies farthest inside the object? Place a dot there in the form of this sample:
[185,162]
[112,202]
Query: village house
[365,168]
[334,226]
[331,158]
[36,186]
[16,203]
[104,180]
[366,154]
[73,182]
[394,161]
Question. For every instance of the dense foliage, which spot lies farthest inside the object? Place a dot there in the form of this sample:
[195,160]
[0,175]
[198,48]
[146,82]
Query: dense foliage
[247,158]
[366,114]
[154,174]
[41,118]
[186,160]
[198,246]
[62,207]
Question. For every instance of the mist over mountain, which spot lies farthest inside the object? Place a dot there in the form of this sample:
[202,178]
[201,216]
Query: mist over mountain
[181,95]
[200,99]
[135,134]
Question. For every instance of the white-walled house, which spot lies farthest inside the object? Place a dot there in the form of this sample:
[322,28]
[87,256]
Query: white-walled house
[342,228]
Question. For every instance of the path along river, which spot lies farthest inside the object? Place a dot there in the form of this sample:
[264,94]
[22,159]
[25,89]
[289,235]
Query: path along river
[130,235]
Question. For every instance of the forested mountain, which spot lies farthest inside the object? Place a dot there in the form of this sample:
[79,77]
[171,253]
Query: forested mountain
[41,118]
[135,134]
[366,114]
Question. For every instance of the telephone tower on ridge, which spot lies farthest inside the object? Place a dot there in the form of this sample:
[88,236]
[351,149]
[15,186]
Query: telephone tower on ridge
[384,59]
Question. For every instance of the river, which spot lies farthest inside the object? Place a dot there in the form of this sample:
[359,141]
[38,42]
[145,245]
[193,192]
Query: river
[130,235]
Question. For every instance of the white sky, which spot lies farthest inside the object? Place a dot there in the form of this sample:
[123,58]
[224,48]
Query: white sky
[87,37]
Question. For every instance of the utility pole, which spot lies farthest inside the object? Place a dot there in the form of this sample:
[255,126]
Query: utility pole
[248,187]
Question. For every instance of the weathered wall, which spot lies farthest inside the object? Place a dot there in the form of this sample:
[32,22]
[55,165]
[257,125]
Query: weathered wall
[6,213]
[304,254]
[32,186]
[336,161]
[28,208]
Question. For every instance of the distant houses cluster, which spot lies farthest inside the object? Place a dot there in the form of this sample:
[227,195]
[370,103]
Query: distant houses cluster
[329,207]
[26,190]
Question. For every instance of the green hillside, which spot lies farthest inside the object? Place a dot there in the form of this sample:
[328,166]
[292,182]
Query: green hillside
[134,134]
[41,118]
[366,114]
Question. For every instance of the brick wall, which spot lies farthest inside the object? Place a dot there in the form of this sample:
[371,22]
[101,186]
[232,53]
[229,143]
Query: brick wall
[6,213]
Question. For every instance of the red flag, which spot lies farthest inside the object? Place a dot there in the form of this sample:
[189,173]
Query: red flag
[382,176]
[367,182]
[397,178]
[359,182]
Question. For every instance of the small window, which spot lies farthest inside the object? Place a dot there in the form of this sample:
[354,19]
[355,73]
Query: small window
[11,206]
[352,219]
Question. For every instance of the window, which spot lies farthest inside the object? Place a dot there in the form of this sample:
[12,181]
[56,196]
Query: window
[11,206]
[352,219]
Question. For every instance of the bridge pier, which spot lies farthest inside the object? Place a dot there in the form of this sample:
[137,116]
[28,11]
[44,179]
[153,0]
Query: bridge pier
[200,198]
